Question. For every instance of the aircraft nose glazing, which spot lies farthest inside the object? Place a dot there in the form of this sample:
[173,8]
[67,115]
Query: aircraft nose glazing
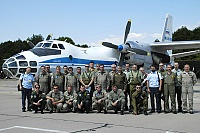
[10,67]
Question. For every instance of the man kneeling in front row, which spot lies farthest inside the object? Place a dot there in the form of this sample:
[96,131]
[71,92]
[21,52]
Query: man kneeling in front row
[116,100]
[55,99]
[70,99]
[83,100]
[38,99]
[139,100]
[99,99]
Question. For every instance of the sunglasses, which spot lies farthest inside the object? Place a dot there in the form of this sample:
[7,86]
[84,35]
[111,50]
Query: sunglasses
[37,87]
[138,87]
[55,88]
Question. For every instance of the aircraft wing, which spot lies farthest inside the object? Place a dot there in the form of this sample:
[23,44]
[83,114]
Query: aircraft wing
[175,45]
[178,55]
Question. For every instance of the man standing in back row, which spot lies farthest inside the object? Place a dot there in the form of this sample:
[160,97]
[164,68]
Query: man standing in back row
[44,80]
[154,83]
[26,82]
[188,79]
[170,79]
[178,86]
[58,78]
[102,78]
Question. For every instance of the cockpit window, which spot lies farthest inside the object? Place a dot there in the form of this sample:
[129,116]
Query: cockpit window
[13,64]
[54,46]
[39,45]
[23,63]
[10,60]
[33,63]
[21,57]
[61,46]
[46,45]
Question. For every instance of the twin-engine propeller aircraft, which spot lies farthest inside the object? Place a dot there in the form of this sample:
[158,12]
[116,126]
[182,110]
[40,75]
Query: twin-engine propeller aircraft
[54,53]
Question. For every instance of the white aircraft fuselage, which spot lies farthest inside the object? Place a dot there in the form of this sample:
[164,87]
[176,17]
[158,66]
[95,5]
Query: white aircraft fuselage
[60,53]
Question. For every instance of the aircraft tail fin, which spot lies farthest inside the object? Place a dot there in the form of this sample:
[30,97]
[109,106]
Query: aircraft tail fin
[167,30]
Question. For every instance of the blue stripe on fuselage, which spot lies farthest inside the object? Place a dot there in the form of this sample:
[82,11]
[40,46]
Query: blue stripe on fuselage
[77,61]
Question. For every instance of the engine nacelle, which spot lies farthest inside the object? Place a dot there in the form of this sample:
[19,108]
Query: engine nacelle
[134,59]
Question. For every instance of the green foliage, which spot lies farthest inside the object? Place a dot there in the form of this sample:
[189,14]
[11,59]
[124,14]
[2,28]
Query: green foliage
[184,34]
[36,38]
[66,39]
[69,40]
[10,48]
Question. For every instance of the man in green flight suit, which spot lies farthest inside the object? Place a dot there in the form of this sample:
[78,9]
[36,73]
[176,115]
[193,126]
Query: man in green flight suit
[170,80]
[116,100]
[134,78]
[44,80]
[70,101]
[139,99]
[71,80]
[188,79]
[99,99]
[58,78]
[55,99]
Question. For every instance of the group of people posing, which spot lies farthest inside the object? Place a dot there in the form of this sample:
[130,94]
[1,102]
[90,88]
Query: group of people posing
[97,89]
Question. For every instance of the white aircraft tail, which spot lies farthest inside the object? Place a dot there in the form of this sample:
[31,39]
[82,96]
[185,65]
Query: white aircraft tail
[167,31]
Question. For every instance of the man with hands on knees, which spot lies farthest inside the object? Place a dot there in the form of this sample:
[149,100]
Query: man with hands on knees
[55,99]
[116,100]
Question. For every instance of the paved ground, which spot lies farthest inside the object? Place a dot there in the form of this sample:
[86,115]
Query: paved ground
[12,120]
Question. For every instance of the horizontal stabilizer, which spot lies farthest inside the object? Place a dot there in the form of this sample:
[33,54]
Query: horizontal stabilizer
[178,55]
[175,45]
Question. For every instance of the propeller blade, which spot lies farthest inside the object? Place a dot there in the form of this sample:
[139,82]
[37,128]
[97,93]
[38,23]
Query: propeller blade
[137,51]
[128,26]
[49,37]
[109,45]
[30,44]
[121,59]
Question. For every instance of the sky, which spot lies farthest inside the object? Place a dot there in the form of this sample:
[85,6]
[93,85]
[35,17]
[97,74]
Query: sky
[93,21]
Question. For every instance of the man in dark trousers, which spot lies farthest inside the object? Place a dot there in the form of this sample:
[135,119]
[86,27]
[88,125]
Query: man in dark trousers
[83,100]
[154,83]
[38,99]
[26,83]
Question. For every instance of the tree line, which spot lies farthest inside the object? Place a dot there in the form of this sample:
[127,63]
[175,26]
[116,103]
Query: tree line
[10,48]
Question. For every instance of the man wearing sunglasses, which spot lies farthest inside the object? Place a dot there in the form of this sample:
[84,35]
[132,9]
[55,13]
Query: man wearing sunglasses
[139,99]
[38,99]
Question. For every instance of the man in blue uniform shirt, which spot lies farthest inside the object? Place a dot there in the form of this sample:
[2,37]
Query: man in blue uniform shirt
[26,83]
[154,83]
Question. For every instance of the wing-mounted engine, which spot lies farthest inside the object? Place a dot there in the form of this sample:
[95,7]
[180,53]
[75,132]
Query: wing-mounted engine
[125,48]
[158,57]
